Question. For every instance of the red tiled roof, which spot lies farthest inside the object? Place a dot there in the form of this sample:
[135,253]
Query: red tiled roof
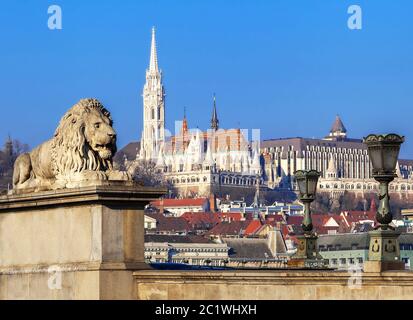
[195,202]
[170,224]
[355,216]
[234,228]
[252,227]
[201,220]
[196,218]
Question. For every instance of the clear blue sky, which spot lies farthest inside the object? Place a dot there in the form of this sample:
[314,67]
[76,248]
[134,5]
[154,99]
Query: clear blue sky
[287,67]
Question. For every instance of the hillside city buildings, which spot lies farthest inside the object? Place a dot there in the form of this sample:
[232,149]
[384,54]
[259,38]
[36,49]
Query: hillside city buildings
[261,239]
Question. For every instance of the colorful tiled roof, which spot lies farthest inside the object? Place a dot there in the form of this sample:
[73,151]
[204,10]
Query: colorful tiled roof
[252,227]
[234,228]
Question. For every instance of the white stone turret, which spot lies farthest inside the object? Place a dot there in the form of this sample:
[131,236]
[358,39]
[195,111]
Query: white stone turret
[331,172]
[255,165]
[160,161]
[398,172]
[209,160]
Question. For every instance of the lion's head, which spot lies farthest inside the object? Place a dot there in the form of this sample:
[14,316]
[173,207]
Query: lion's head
[84,139]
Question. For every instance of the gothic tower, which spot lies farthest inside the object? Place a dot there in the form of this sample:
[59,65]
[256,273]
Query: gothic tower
[153,133]
[214,119]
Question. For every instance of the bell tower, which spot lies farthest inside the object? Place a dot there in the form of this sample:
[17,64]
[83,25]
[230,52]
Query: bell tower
[153,133]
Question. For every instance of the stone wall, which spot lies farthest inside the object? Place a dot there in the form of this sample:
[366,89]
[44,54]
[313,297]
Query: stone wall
[272,285]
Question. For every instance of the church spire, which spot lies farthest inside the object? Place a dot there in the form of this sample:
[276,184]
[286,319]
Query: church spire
[184,123]
[214,119]
[153,63]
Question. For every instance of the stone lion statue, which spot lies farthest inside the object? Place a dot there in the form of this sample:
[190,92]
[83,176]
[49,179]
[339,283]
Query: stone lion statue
[79,154]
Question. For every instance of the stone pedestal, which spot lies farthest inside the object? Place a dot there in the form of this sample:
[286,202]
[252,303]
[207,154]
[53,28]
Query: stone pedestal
[81,243]
[307,255]
[384,252]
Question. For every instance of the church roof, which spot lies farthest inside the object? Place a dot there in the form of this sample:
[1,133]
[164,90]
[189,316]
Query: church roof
[338,126]
[220,140]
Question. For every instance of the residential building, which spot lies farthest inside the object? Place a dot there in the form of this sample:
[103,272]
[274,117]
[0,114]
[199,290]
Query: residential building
[193,250]
[348,250]
[167,225]
[269,252]
[201,222]
[177,207]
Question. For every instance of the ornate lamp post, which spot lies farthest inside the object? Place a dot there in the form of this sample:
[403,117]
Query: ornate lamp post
[384,250]
[307,251]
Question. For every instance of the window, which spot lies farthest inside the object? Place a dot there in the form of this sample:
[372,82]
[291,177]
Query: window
[343,261]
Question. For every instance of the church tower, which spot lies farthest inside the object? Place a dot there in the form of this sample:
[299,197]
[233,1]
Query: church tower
[338,132]
[153,133]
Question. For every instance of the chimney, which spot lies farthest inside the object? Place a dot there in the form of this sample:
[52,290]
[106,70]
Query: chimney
[373,207]
[212,203]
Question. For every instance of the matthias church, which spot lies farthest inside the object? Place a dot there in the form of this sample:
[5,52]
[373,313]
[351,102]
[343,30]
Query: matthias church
[224,162]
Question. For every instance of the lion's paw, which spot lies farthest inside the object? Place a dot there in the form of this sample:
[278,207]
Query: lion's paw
[118,175]
[93,175]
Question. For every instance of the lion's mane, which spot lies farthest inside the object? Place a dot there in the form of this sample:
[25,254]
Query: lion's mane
[70,150]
